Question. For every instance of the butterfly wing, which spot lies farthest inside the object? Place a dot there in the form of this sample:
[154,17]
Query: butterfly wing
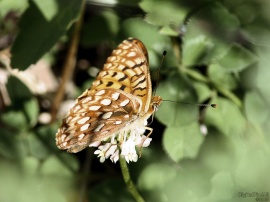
[119,95]
[127,69]
[96,117]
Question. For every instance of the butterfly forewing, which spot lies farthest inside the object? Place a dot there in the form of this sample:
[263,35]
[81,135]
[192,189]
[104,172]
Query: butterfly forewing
[120,95]
[127,70]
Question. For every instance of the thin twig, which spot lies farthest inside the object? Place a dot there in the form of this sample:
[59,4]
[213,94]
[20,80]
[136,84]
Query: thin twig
[131,187]
[69,64]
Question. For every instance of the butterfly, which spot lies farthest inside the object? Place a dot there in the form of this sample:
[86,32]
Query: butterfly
[112,114]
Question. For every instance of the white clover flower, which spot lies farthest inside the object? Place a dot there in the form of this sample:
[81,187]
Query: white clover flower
[101,152]
[123,143]
[129,150]
[115,156]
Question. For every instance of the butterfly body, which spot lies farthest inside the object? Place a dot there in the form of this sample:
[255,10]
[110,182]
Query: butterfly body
[118,103]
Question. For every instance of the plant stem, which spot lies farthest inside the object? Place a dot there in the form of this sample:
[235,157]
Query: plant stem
[69,65]
[131,188]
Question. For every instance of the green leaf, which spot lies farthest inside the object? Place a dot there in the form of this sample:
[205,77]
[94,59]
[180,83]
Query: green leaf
[177,88]
[202,91]
[17,90]
[221,77]
[31,110]
[15,120]
[41,26]
[253,165]
[38,148]
[227,118]
[163,13]
[24,176]
[190,183]
[218,152]
[263,75]
[154,42]
[182,142]
[47,135]
[24,109]
[222,187]
[101,27]
[255,108]
[8,5]
[12,145]
[237,59]
[156,176]
[52,166]
[194,48]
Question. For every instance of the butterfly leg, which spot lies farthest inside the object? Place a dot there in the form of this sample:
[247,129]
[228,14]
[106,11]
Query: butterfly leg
[141,145]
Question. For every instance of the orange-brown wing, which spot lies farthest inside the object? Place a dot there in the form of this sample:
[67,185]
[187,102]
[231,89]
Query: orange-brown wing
[119,95]
[127,69]
[96,117]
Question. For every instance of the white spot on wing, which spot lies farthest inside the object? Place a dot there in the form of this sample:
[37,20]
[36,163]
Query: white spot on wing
[94,108]
[83,120]
[106,102]
[115,96]
[138,60]
[117,122]
[87,99]
[117,51]
[68,119]
[98,128]
[81,136]
[77,107]
[124,103]
[130,63]
[108,65]
[106,115]
[101,92]
[75,118]
[120,66]
[131,54]
[112,58]
[63,137]
[85,127]
[124,47]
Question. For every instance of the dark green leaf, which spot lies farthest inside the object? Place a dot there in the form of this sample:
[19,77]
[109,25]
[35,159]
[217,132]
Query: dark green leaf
[41,26]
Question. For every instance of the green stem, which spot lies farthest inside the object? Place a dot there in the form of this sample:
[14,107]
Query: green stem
[131,188]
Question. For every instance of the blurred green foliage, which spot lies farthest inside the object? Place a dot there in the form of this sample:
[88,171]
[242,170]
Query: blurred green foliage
[223,58]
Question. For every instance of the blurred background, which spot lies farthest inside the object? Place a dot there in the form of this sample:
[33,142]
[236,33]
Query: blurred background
[217,52]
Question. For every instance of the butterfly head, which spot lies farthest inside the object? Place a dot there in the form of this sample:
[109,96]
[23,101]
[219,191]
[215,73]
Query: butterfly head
[155,103]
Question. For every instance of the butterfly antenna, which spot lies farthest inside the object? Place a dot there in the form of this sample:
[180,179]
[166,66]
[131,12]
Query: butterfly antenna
[197,104]
[158,72]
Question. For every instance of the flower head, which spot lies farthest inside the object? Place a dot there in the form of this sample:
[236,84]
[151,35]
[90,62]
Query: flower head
[123,143]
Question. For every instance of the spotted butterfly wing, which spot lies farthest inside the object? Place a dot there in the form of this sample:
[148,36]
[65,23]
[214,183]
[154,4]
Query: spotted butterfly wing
[119,100]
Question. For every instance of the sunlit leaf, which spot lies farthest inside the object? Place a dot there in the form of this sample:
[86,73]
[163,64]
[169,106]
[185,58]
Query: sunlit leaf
[182,141]
[177,89]
[255,107]
[237,59]
[226,118]
[156,176]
